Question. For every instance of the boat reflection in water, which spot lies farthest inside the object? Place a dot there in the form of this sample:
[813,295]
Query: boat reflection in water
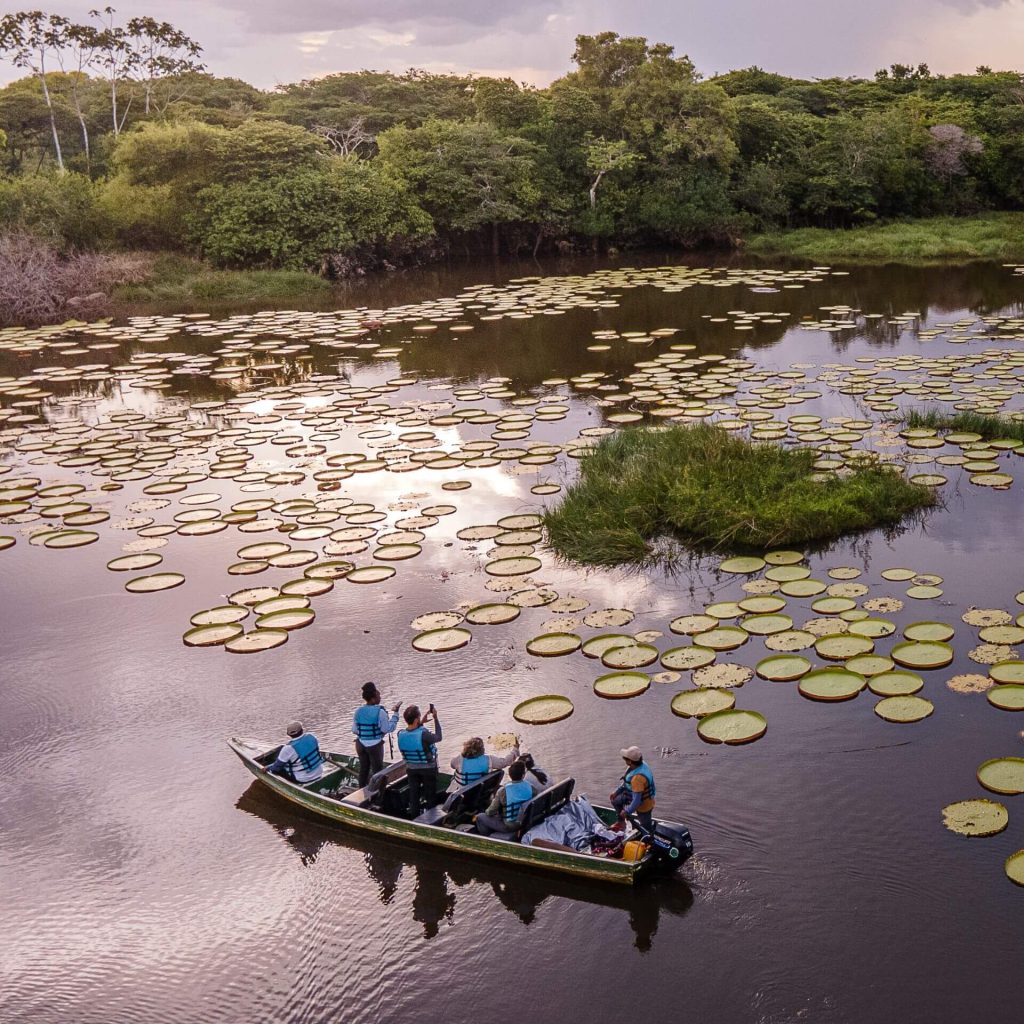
[522,891]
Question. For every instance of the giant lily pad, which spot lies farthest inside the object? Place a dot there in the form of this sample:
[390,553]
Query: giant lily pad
[895,684]
[635,655]
[904,708]
[975,817]
[698,703]
[1007,672]
[553,645]
[682,659]
[783,667]
[922,655]
[620,685]
[1003,775]
[1007,698]
[831,684]
[439,640]
[732,726]
[543,710]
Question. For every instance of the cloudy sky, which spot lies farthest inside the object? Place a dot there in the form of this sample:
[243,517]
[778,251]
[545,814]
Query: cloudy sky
[268,42]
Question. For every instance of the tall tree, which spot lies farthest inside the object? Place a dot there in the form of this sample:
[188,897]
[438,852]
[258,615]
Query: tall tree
[117,59]
[163,54]
[76,57]
[29,38]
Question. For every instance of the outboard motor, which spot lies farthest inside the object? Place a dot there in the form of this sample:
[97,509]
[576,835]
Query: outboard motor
[670,845]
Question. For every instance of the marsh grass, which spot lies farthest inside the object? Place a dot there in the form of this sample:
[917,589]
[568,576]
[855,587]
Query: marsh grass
[988,426]
[994,236]
[714,491]
[179,279]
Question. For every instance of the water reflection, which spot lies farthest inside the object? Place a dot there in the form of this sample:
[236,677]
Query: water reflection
[439,877]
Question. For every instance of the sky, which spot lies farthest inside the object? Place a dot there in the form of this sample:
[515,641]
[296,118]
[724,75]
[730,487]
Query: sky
[270,42]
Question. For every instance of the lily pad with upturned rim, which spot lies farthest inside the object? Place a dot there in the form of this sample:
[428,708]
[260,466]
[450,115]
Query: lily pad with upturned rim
[1004,672]
[1007,698]
[437,641]
[629,656]
[543,710]
[783,668]
[212,634]
[904,709]
[683,659]
[732,726]
[621,685]
[154,583]
[1003,775]
[700,703]
[895,684]
[831,684]
[492,614]
[1015,867]
[922,655]
[257,640]
[553,645]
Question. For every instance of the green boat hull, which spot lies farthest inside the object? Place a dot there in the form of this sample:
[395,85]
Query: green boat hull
[580,865]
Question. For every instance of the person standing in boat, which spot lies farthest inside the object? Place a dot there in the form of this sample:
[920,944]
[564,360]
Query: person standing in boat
[505,812]
[474,763]
[370,724]
[300,759]
[636,791]
[419,751]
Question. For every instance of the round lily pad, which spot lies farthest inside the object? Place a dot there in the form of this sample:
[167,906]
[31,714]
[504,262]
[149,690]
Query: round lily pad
[635,655]
[732,726]
[437,620]
[70,539]
[620,685]
[922,655]
[722,638]
[597,645]
[682,659]
[212,634]
[1007,672]
[831,684]
[722,676]
[156,582]
[543,710]
[975,817]
[803,588]
[783,667]
[220,615]
[439,640]
[869,664]
[1015,867]
[924,593]
[609,618]
[841,646]
[287,618]
[742,565]
[688,625]
[554,645]
[764,625]
[1002,635]
[904,708]
[371,574]
[331,570]
[762,604]
[789,640]
[895,684]
[512,566]
[492,614]
[874,628]
[986,617]
[257,640]
[784,557]
[929,631]
[1003,775]
[898,575]
[1007,698]
[698,703]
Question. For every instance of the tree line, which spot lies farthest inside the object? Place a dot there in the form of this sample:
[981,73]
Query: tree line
[117,136]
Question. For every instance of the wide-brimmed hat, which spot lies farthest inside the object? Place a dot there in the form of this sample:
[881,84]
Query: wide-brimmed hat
[632,753]
[294,729]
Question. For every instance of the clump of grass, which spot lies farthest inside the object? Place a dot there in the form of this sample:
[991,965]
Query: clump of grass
[179,279]
[988,426]
[716,491]
[994,236]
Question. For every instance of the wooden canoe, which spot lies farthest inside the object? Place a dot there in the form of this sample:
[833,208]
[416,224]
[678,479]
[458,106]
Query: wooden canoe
[318,798]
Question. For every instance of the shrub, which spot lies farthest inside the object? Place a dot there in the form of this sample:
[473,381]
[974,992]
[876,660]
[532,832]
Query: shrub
[716,491]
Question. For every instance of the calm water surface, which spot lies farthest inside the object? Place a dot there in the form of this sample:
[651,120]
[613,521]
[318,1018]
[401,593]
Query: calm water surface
[145,877]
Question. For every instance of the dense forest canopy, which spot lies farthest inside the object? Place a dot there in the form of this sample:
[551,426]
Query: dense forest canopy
[118,136]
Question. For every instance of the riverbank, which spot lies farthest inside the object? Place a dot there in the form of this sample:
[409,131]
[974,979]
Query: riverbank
[988,236]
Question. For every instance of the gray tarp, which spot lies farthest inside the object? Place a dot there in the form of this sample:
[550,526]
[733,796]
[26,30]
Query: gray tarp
[575,825]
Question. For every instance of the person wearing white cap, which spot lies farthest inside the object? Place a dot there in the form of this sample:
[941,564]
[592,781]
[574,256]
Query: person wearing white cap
[636,791]
[299,760]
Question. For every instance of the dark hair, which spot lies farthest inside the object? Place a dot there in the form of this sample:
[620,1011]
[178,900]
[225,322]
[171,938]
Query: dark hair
[410,714]
[473,747]
[516,771]
[370,691]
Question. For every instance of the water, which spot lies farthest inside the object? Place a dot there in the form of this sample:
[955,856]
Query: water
[145,875]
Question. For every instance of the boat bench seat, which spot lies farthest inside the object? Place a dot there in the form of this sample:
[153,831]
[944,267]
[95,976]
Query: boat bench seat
[374,793]
[545,803]
[469,800]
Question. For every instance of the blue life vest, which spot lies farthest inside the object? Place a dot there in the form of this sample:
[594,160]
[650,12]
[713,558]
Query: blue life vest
[307,750]
[472,769]
[641,769]
[410,743]
[366,723]
[517,795]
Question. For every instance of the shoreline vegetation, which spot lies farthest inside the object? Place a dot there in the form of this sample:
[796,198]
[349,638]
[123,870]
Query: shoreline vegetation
[141,150]
[981,426]
[713,491]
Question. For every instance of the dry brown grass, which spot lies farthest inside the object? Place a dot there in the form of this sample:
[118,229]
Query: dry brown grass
[38,285]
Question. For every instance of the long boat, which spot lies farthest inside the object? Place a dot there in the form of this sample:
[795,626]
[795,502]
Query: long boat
[379,808]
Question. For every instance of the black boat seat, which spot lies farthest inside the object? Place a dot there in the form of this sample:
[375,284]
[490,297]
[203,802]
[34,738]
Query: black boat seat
[374,792]
[469,800]
[546,802]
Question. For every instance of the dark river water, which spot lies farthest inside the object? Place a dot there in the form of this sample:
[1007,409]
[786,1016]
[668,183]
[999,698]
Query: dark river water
[145,877]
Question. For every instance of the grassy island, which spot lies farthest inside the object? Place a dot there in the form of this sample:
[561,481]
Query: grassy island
[716,491]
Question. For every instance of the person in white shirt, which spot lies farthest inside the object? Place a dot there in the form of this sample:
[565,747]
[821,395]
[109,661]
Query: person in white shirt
[300,759]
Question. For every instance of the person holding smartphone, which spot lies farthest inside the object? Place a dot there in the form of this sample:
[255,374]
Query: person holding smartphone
[418,746]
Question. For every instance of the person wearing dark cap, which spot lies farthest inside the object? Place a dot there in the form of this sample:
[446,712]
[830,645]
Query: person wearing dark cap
[636,790]
[299,760]
[370,724]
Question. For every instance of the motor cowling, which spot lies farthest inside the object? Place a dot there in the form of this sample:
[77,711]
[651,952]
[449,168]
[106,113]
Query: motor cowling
[672,844]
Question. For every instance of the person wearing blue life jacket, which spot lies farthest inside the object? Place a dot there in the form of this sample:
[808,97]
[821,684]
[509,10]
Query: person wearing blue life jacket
[474,763]
[505,813]
[300,759]
[636,791]
[419,751]
[370,724]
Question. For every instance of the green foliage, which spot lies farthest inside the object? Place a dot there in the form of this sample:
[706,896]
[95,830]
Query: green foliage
[715,491]
[988,426]
[995,236]
[61,208]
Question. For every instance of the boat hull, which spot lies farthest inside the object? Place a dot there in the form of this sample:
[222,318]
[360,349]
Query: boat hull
[366,820]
